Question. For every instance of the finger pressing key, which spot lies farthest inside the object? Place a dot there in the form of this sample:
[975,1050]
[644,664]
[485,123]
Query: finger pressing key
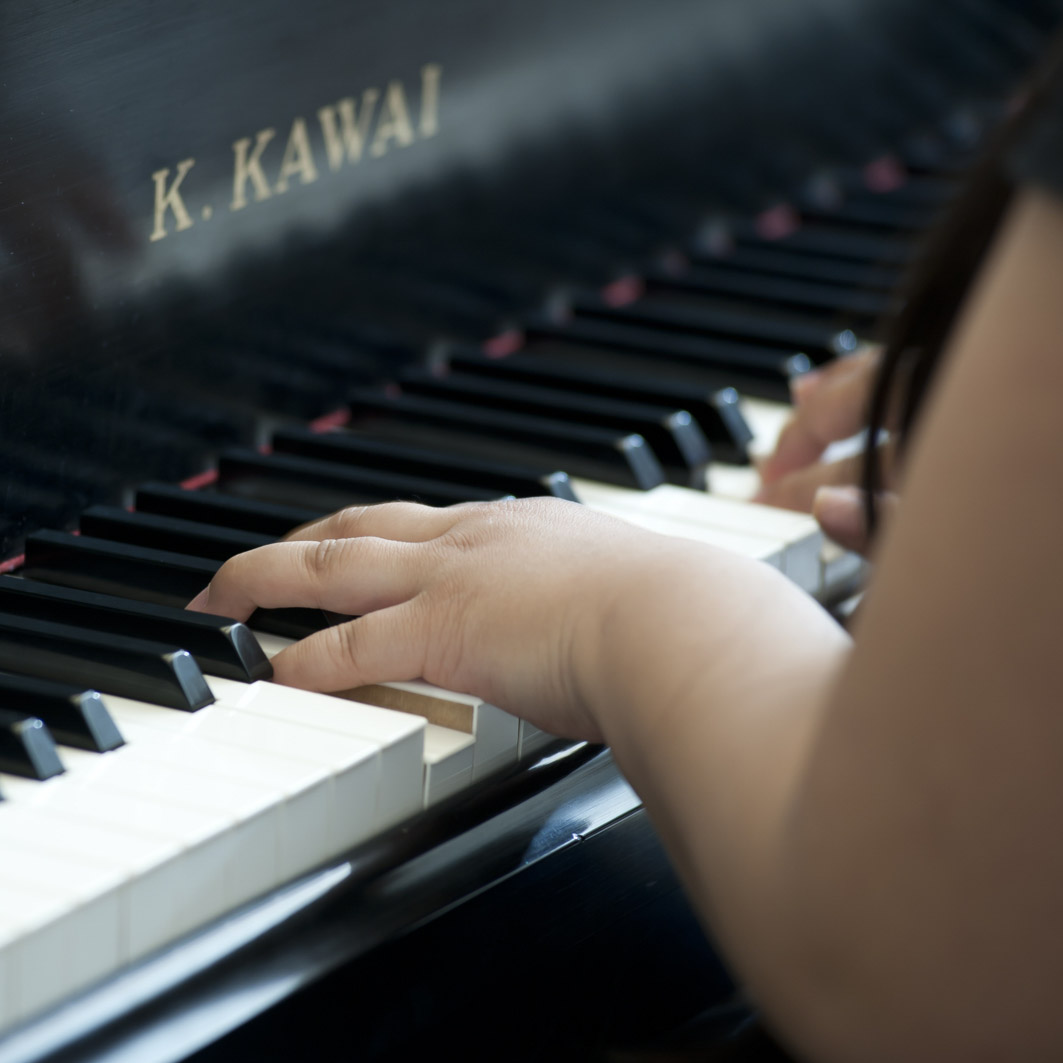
[373,648]
[834,409]
[349,575]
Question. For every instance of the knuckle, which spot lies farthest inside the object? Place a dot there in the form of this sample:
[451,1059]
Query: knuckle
[320,558]
[348,519]
[345,646]
[400,510]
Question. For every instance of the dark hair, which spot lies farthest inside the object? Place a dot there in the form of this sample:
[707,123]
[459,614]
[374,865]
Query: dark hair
[933,294]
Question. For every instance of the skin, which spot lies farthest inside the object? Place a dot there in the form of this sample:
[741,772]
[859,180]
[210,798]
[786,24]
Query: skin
[830,405]
[868,828]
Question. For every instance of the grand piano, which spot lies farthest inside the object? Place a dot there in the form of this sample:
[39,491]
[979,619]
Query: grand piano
[261,261]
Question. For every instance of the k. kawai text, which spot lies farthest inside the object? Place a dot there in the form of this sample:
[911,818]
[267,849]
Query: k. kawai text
[345,133]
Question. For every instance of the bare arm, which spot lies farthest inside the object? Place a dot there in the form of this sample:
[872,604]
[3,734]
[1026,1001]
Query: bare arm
[912,886]
[869,832]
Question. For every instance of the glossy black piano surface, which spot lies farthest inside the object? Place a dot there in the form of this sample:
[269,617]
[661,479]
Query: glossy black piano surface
[222,216]
[222,221]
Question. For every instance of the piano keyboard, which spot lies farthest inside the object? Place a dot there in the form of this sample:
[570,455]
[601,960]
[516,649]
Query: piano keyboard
[201,811]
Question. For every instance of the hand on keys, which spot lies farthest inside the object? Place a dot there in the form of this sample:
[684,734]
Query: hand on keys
[507,600]
[831,406]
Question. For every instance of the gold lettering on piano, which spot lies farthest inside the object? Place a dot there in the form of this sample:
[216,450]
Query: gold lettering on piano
[350,138]
[298,159]
[394,121]
[170,199]
[248,167]
[352,128]
[430,75]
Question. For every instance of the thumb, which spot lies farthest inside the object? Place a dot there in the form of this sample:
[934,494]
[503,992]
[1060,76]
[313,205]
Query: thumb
[840,512]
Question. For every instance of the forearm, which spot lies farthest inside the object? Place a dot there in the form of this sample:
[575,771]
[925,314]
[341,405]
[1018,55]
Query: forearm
[710,694]
[873,848]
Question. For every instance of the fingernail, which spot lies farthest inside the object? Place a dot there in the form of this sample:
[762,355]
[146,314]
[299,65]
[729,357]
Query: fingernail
[802,385]
[199,602]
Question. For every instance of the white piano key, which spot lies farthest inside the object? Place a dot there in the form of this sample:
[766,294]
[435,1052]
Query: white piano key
[801,536]
[272,644]
[247,813]
[24,912]
[197,878]
[798,536]
[502,743]
[529,738]
[736,482]
[533,739]
[498,725]
[759,548]
[171,890]
[353,763]
[398,737]
[766,420]
[68,944]
[305,788]
[8,979]
[741,482]
[496,732]
[448,761]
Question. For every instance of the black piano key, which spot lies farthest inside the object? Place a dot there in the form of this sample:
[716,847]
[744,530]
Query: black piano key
[597,453]
[877,213]
[121,569]
[720,282]
[357,449]
[778,261]
[294,623]
[838,243]
[114,664]
[816,339]
[328,486]
[27,748]
[676,438]
[229,511]
[168,533]
[752,369]
[716,410]
[144,575]
[75,716]
[918,191]
[220,646]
